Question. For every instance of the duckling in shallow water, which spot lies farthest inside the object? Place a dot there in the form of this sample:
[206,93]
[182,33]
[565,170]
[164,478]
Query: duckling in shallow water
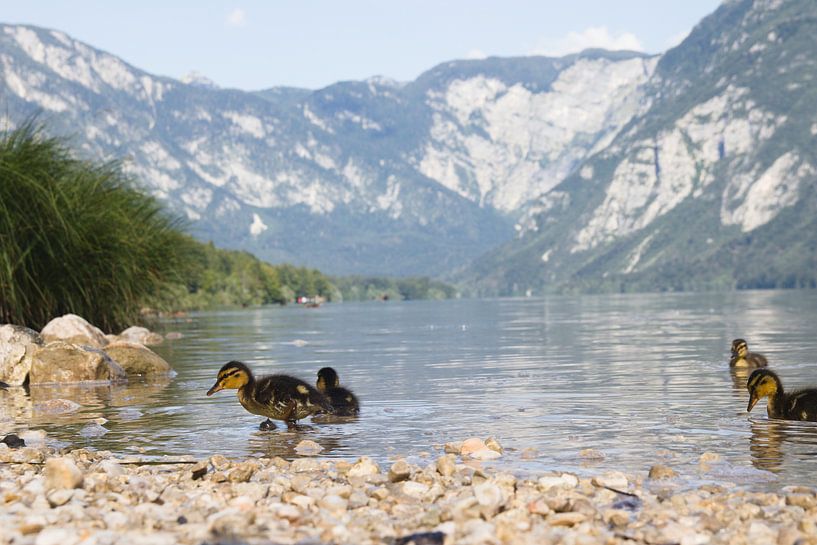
[344,402]
[741,357]
[279,397]
[797,405]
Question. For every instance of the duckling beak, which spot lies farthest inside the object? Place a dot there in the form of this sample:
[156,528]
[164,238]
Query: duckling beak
[217,387]
[753,398]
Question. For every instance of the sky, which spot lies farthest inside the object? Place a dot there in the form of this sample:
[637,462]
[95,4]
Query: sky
[257,44]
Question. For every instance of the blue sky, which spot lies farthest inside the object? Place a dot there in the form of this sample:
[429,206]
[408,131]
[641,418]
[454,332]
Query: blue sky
[312,43]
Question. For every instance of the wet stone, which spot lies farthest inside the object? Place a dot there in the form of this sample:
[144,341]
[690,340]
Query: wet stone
[658,472]
[399,471]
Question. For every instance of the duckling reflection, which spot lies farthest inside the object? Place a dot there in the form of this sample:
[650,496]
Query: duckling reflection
[741,357]
[769,440]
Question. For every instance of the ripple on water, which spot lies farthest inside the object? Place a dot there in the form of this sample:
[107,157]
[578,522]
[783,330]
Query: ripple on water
[627,376]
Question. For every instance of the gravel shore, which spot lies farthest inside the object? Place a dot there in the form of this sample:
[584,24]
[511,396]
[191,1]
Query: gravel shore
[50,497]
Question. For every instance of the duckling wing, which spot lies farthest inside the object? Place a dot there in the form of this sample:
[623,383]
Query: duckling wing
[802,405]
[344,402]
[284,393]
[757,360]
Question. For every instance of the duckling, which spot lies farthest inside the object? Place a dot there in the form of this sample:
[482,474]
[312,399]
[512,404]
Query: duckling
[797,405]
[741,357]
[344,402]
[275,396]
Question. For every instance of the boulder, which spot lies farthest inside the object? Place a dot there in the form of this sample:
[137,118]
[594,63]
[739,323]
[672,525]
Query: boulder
[73,329]
[17,345]
[63,362]
[137,359]
[141,335]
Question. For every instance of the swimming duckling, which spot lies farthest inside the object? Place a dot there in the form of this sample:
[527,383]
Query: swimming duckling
[275,396]
[797,405]
[344,402]
[741,357]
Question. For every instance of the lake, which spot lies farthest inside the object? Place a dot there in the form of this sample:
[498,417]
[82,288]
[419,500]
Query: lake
[639,379]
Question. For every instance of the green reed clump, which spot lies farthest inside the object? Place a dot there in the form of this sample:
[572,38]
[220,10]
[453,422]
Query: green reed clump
[77,236]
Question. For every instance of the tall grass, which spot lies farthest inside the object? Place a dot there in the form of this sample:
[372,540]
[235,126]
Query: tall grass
[77,236]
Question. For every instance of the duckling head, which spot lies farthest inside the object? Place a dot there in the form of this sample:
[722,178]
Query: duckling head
[231,376]
[762,383]
[327,378]
[739,348]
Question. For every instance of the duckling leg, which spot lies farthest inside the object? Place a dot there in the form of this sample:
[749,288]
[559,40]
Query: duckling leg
[289,416]
[267,425]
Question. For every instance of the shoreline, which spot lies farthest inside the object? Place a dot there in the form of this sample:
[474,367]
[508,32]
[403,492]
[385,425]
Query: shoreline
[72,496]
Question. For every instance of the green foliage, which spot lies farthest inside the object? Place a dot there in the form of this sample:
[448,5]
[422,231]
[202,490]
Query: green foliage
[360,288]
[223,278]
[78,237]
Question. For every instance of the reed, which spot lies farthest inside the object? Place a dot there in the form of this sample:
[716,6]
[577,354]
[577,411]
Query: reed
[78,236]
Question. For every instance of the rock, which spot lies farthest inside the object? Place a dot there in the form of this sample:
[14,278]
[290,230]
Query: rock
[453,448]
[333,504]
[446,465]
[173,336]
[364,467]
[611,479]
[302,465]
[308,447]
[485,454]
[490,498]
[33,437]
[141,335]
[62,473]
[566,519]
[58,536]
[591,454]
[529,453]
[469,446]
[399,471]
[199,470]
[62,362]
[557,480]
[111,468]
[616,517]
[93,430]
[658,472]
[422,538]
[13,441]
[414,489]
[539,507]
[17,346]
[73,329]
[56,406]
[59,497]
[493,444]
[709,458]
[137,359]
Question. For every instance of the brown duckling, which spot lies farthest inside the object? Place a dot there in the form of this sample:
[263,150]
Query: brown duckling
[797,405]
[344,402]
[741,357]
[280,397]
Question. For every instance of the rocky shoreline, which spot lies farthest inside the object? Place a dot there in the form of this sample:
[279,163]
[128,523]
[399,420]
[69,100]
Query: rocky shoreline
[68,497]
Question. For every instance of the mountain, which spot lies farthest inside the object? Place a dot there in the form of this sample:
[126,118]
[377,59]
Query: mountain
[711,185]
[375,176]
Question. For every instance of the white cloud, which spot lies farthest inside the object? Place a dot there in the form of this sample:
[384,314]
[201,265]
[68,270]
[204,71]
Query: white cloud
[476,54]
[237,17]
[591,37]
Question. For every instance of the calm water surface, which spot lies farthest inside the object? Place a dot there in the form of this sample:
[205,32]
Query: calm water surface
[639,378]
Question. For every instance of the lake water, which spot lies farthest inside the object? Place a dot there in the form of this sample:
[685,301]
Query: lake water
[640,379]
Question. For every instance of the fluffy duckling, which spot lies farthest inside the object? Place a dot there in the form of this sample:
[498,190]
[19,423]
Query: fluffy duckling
[344,402]
[280,397]
[797,405]
[741,357]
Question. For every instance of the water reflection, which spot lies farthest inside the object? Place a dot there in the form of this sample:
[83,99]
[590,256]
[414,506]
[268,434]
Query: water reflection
[626,376]
[777,444]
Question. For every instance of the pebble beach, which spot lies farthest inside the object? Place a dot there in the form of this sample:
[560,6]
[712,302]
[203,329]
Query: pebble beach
[77,496]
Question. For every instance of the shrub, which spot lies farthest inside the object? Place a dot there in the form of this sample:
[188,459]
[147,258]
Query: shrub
[78,236]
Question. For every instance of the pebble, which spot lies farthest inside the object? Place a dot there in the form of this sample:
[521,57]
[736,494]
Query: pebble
[56,406]
[308,447]
[399,471]
[320,501]
[62,473]
[658,472]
